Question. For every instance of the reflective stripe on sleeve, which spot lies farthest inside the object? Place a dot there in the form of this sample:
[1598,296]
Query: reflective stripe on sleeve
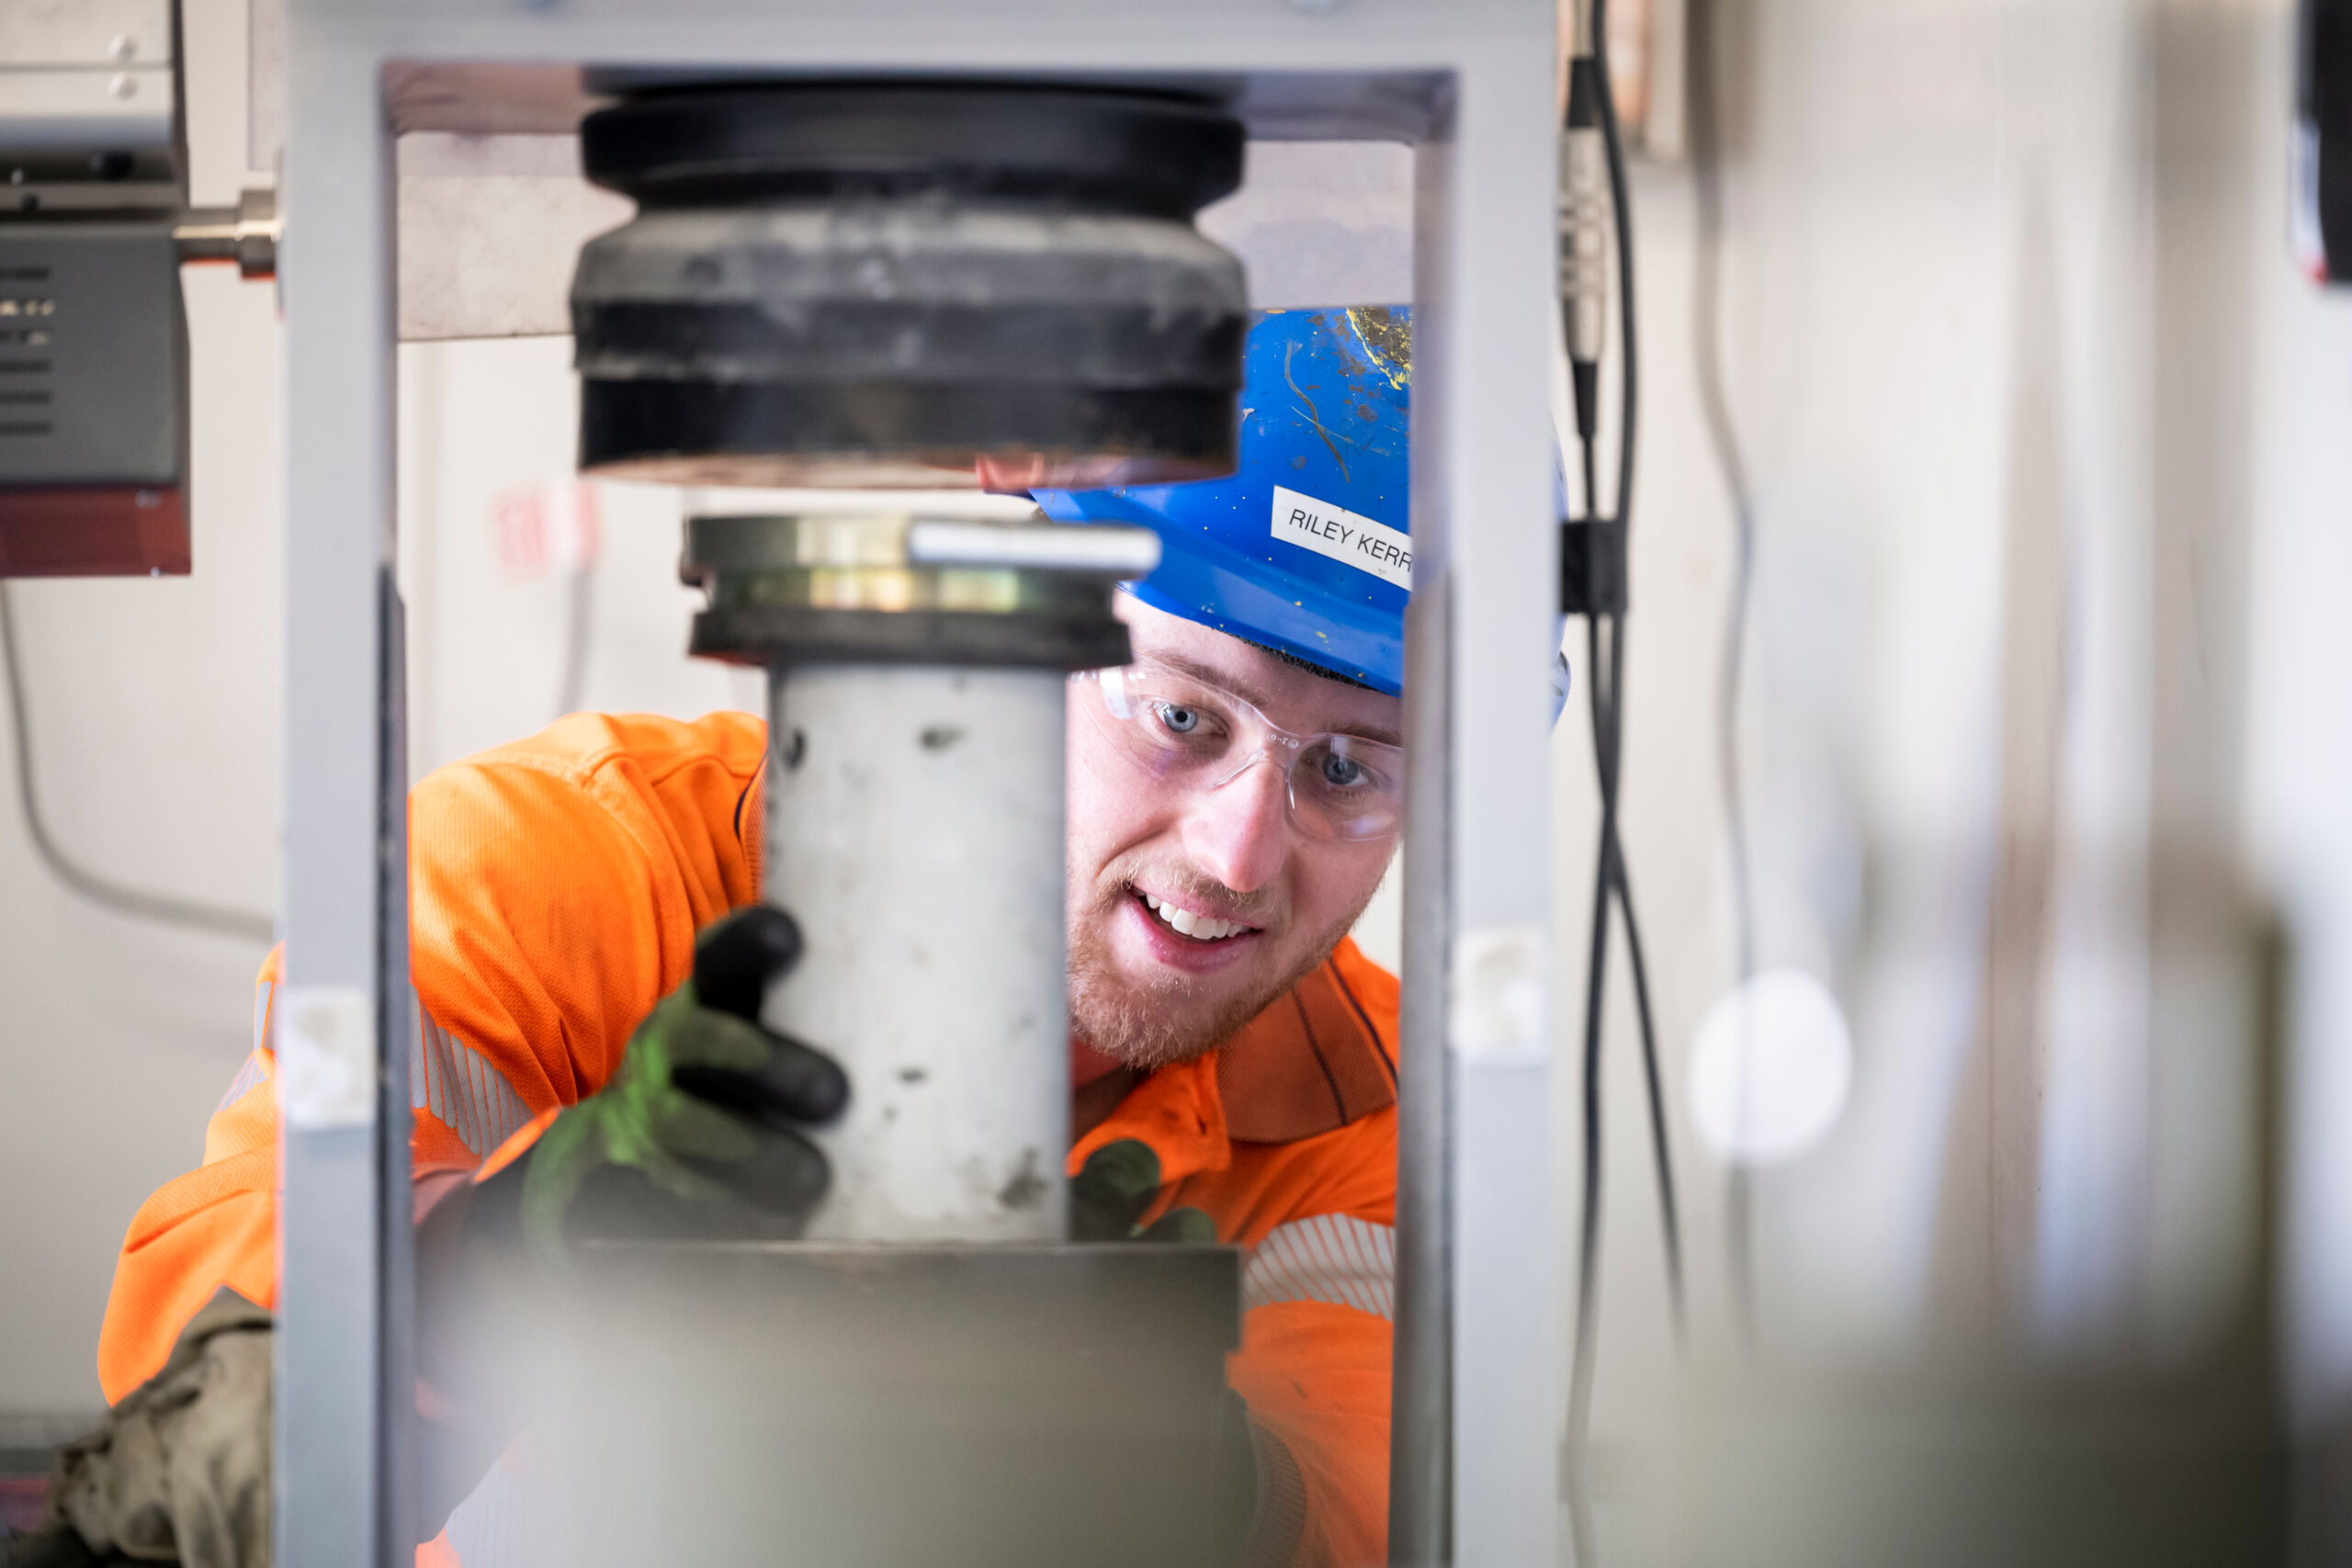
[486,1530]
[458,1085]
[254,1071]
[1325,1257]
[255,1067]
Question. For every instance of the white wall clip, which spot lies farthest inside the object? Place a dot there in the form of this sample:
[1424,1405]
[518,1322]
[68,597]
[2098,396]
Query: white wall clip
[1499,983]
[326,1059]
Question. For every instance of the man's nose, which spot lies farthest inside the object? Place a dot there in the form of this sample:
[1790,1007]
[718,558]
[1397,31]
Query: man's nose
[1240,833]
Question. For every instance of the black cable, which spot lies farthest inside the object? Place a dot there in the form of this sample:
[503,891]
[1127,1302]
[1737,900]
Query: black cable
[1620,204]
[1669,1217]
[1628,366]
[1605,646]
[1580,1374]
[210,919]
[1592,465]
[1706,183]
[1585,116]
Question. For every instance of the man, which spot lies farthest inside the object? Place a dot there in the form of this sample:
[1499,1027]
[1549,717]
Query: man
[1233,1054]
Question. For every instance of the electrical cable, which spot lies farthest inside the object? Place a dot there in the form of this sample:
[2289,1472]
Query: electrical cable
[161,908]
[1584,283]
[1584,315]
[1589,1228]
[1629,365]
[1652,1084]
[1605,648]
[1706,335]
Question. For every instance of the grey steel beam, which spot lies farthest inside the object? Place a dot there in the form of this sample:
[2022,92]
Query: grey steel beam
[1482,503]
[345,1179]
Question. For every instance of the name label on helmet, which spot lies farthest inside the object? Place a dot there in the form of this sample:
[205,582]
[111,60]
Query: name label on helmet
[1344,535]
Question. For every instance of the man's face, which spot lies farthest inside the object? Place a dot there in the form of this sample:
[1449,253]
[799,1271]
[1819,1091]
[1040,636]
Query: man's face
[1141,990]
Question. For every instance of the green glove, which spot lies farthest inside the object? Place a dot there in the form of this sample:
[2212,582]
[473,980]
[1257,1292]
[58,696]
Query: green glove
[1113,1188]
[698,1133]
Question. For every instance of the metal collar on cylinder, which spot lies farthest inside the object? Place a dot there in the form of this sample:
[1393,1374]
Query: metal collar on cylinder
[900,587]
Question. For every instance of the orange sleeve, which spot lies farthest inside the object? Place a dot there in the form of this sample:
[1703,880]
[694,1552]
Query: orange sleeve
[1318,1216]
[217,1225]
[1317,1376]
[555,887]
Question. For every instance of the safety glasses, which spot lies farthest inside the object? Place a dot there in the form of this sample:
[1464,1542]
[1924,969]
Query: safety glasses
[1195,735]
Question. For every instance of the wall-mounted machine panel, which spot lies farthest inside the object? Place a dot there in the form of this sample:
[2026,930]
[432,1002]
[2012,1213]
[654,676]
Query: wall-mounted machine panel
[93,226]
[93,343]
[92,399]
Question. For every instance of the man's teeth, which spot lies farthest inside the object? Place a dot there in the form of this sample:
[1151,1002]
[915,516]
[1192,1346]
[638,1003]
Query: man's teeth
[1200,928]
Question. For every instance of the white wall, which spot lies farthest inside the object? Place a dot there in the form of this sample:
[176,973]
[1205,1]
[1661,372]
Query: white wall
[486,652]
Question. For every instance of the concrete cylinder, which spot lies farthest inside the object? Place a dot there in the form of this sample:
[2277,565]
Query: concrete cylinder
[914,831]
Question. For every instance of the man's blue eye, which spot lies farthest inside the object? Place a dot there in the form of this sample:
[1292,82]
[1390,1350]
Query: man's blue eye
[1342,773]
[1181,720]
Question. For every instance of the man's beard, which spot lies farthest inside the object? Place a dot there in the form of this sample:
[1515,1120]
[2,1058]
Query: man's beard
[1173,1018]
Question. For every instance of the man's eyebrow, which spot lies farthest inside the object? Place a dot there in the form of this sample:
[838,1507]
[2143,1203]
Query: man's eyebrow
[1208,675]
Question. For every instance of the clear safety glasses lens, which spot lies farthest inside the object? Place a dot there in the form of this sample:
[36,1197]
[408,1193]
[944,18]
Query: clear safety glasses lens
[1341,787]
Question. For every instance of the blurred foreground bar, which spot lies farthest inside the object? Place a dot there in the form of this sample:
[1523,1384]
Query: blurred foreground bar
[822,1405]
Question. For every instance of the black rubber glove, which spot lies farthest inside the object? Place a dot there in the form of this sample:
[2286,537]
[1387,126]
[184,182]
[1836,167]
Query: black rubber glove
[698,1133]
[1115,1188]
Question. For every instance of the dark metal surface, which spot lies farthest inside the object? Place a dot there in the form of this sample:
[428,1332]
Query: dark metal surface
[767,636]
[824,1405]
[875,433]
[891,284]
[401,1522]
[1099,151]
[1421,1433]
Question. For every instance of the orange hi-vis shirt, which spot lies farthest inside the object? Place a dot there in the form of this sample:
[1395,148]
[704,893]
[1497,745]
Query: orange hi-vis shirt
[556,885]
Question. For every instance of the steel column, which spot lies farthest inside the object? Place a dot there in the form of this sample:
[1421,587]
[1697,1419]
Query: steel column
[344,1183]
[1485,537]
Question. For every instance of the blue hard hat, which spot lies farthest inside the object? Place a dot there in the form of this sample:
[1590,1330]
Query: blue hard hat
[1308,548]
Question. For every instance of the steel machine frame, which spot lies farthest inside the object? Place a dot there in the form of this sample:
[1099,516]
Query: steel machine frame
[1470,84]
